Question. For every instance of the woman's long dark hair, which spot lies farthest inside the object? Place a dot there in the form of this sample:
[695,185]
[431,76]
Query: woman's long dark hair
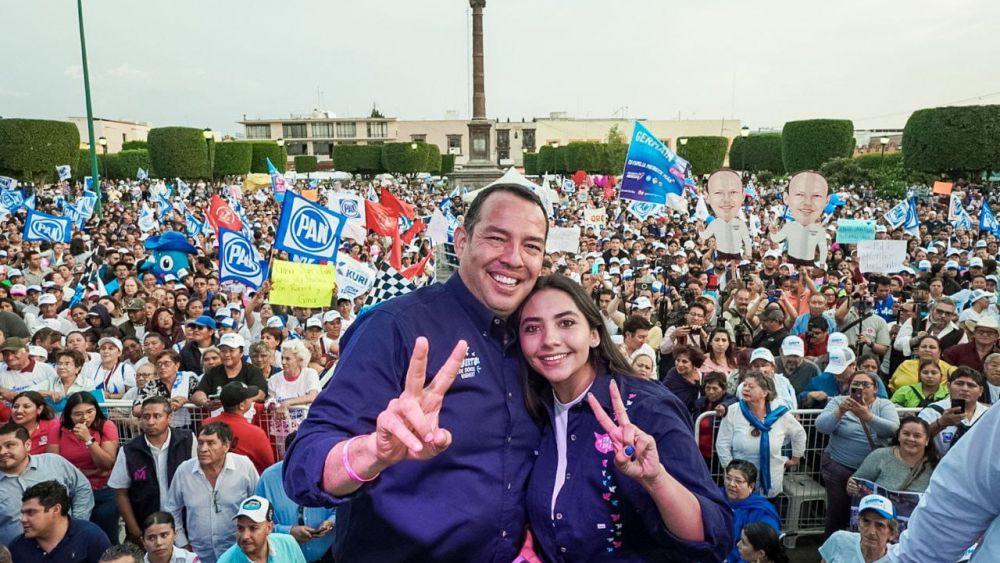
[80,398]
[763,537]
[45,411]
[730,353]
[605,356]
[931,455]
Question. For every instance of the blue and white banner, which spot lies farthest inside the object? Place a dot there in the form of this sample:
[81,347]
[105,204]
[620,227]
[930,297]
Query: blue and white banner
[372,195]
[896,216]
[141,175]
[40,226]
[73,213]
[964,220]
[7,183]
[353,277]
[183,189]
[163,207]
[64,172]
[352,206]
[987,220]
[87,203]
[644,210]
[11,199]
[307,229]
[652,170]
[912,223]
[30,202]
[568,187]
[954,208]
[147,219]
[239,260]
[88,183]
[192,225]
[278,183]
[750,190]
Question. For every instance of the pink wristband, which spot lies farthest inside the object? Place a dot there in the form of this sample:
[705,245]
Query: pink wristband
[347,464]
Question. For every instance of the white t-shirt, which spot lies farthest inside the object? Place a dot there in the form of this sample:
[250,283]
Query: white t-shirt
[842,547]
[280,389]
[37,379]
[116,380]
[946,437]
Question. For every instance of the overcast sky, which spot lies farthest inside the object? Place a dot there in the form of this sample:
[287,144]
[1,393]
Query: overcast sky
[208,62]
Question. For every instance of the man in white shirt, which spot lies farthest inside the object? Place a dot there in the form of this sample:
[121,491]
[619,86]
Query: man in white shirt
[208,491]
[22,372]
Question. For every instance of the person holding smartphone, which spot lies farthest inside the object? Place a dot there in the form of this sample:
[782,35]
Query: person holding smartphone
[952,417]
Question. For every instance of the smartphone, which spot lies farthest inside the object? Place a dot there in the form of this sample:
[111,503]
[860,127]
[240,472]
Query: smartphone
[958,404]
[856,394]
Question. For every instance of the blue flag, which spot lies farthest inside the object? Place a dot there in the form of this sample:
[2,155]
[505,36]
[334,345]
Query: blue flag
[191,224]
[652,170]
[896,216]
[643,209]
[307,229]
[64,172]
[278,183]
[141,175]
[11,199]
[44,227]
[372,196]
[912,223]
[964,220]
[30,202]
[163,207]
[147,219]
[239,260]
[87,203]
[73,213]
[183,189]
[987,220]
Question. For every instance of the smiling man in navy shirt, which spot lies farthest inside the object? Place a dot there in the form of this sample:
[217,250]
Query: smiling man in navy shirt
[435,472]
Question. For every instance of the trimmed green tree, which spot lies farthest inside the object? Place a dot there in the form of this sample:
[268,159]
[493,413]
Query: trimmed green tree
[706,154]
[432,158]
[583,156]
[358,159]
[402,158]
[125,164]
[806,145]
[179,152]
[263,150]
[756,153]
[447,164]
[613,158]
[531,163]
[135,145]
[305,163]
[958,141]
[31,149]
[232,159]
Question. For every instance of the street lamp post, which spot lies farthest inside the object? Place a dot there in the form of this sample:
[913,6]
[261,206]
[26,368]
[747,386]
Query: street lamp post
[103,141]
[884,141]
[95,174]
[209,137]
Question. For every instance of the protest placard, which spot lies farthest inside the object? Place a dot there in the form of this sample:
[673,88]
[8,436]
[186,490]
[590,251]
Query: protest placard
[353,277]
[595,216]
[563,239]
[850,231]
[881,256]
[943,188]
[302,285]
[903,501]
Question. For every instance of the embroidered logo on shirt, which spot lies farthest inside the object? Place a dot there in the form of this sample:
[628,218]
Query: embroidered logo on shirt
[603,443]
[139,474]
[470,365]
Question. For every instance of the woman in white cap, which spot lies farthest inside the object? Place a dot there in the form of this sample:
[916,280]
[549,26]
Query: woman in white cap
[112,376]
[877,527]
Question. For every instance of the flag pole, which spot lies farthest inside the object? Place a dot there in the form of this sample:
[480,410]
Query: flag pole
[94,170]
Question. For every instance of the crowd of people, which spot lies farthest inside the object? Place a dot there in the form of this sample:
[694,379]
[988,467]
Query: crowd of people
[538,405]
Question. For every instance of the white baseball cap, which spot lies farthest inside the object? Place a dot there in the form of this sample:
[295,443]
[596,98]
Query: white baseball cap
[313,322]
[110,340]
[976,262]
[840,358]
[331,316]
[232,340]
[761,354]
[793,346]
[879,504]
[47,299]
[837,340]
[257,509]
[643,303]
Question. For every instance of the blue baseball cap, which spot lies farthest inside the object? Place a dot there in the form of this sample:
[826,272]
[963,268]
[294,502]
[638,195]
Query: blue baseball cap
[203,321]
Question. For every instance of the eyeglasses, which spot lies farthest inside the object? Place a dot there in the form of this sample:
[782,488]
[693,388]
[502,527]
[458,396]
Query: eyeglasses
[735,480]
[861,385]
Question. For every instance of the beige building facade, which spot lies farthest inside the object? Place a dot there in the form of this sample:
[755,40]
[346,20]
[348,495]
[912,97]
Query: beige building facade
[115,131]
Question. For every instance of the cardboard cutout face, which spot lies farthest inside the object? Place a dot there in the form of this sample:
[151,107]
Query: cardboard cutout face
[725,194]
[806,197]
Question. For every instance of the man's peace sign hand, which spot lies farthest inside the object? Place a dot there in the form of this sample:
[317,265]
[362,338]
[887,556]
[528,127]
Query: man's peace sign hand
[635,451]
[408,427]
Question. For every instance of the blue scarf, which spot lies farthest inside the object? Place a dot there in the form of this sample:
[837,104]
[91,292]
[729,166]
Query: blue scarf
[764,461]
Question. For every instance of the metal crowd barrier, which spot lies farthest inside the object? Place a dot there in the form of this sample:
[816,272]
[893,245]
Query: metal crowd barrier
[276,425]
[802,504]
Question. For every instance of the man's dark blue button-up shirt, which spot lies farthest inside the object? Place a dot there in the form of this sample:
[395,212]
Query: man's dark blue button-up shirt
[466,504]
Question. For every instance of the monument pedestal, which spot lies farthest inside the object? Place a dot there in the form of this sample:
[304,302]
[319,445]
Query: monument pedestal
[480,170]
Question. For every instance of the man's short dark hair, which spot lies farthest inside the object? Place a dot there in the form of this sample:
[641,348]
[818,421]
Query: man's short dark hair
[634,324]
[818,323]
[219,429]
[698,305]
[156,335]
[157,400]
[473,215]
[116,552]
[19,432]
[49,494]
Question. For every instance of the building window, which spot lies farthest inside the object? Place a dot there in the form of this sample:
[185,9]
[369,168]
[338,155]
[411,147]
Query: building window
[378,129]
[347,130]
[294,131]
[503,139]
[418,138]
[454,144]
[528,139]
[295,149]
[322,130]
[322,148]
[503,154]
[258,131]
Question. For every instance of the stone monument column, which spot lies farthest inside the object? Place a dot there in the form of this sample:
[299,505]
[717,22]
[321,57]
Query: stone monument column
[479,127]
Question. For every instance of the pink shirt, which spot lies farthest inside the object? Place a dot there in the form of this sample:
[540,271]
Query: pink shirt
[77,453]
[40,437]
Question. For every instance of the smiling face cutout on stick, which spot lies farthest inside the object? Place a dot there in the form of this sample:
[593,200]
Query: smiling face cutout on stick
[806,197]
[725,194]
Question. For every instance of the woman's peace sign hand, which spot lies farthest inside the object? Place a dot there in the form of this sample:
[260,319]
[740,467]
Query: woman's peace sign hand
[635,451]
[408,427]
